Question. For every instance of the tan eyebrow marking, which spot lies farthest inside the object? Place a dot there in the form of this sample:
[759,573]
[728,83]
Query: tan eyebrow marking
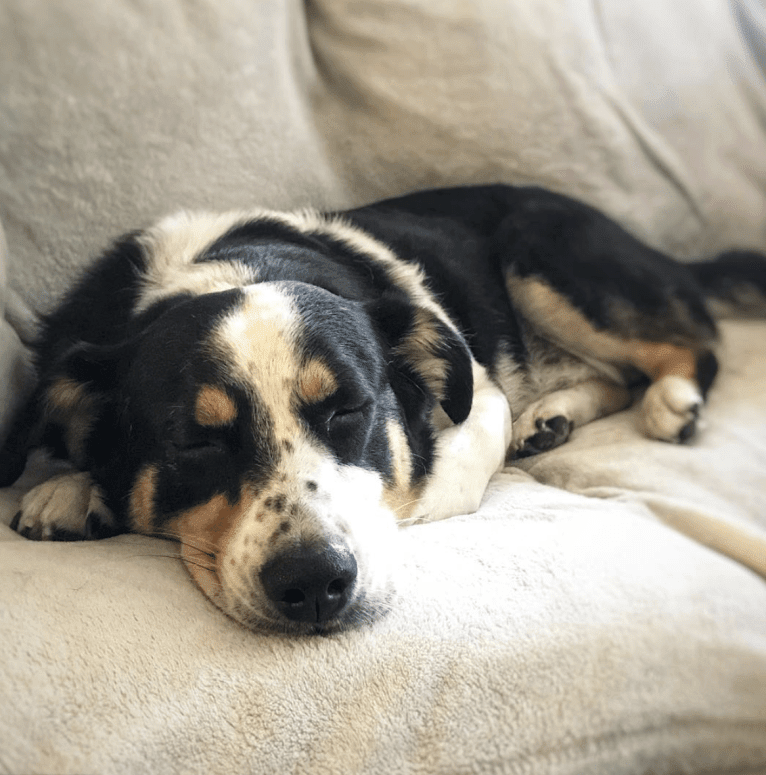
[214,407]
[316,382]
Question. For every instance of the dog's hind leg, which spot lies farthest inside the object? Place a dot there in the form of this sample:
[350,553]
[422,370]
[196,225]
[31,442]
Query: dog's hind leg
[582,282]
[680,373]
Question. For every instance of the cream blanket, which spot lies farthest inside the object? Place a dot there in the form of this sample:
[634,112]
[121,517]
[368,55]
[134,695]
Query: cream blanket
[549,632]
[604,612]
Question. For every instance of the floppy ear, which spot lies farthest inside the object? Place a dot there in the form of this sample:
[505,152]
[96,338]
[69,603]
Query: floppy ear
[432,348]
[98,365]
[71,396]
[79,388]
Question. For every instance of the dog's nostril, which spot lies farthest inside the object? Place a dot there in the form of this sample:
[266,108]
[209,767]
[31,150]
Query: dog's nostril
[309,584]
[336,587]
[293,597]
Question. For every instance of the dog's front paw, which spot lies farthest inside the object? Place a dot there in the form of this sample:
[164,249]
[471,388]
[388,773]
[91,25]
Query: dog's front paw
[467,456]
[542,426]
[67,507]
[671,408]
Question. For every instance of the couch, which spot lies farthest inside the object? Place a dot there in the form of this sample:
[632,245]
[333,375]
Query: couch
[604,611]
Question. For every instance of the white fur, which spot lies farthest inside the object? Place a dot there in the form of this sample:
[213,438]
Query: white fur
[670,404]
[467,455]
[347,508]
[349,504]
[173,244]
[62,503]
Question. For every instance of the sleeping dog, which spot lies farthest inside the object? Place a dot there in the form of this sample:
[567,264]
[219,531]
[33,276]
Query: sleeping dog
[275,390]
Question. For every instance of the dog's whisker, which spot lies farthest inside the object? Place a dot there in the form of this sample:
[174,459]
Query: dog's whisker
[406,521]
[406,504]
[158,554]
[200,545]
[178,557]
[199,564]
[181,541]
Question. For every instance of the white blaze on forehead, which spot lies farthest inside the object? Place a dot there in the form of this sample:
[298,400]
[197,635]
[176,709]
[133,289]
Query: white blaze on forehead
[260,334]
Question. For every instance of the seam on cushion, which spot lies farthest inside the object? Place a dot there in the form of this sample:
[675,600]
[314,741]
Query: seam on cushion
[20,317]
[750,18]
[652,144]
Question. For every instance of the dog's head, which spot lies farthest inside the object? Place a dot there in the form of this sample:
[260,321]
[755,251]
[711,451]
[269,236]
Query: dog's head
[278,431]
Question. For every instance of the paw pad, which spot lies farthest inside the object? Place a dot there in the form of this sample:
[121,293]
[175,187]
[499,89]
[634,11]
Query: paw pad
[551,432]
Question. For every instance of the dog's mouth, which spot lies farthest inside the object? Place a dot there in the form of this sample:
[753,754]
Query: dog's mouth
[302,595]
[360,613]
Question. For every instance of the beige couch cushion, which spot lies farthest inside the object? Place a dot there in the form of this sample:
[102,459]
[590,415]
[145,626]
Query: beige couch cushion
[651,111]
[591,631]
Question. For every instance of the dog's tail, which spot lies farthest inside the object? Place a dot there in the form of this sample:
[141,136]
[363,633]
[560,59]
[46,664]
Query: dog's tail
[734,284]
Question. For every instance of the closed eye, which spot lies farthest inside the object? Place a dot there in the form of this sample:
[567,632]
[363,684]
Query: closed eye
[202,447]
[346,418]
[348,412]
[195,445]
[341,415]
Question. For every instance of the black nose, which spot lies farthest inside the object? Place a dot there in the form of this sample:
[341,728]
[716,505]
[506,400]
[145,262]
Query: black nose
[309,584]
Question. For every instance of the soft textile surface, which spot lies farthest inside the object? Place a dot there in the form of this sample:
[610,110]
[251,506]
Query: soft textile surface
[580,622]
[600,99]
[16,321]
[549,632]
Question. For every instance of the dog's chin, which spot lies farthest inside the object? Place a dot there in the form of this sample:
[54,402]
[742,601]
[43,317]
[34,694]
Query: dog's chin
[358,615]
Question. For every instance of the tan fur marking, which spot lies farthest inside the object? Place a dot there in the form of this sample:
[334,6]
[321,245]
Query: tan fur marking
[141,504]
[71,404]
[205,526]
[204,532]
[316,382]
[659,360]
[565,325]
[201,568]
[66,394]
[214,407]
[400,496]
[418,348]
